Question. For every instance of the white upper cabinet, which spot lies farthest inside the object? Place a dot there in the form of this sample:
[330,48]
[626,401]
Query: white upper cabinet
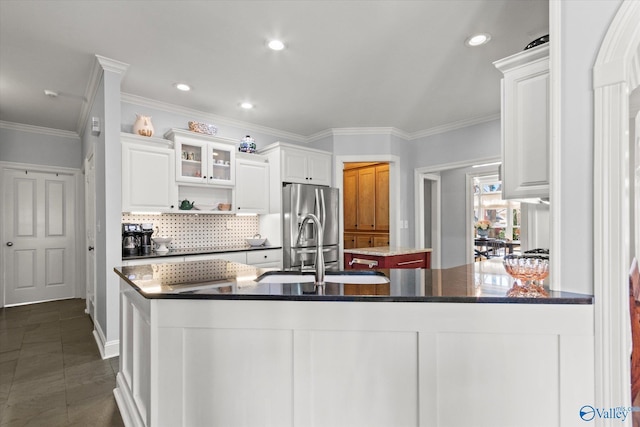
[148,171]
[203,159]
[525,123]
[291,163]
[252,184]
[306,167]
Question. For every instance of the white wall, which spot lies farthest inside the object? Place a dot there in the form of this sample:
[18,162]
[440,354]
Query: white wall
[584,24]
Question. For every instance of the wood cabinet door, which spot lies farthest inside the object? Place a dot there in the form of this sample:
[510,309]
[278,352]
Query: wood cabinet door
[366,199]
[363,241]
[382,198]
[381,240]
[349,241]
[350,199]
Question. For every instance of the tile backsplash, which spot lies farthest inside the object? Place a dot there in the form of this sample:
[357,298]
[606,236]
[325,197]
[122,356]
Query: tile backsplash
[200,231]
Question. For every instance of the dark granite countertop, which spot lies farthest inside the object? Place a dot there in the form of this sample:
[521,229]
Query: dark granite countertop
[482,282]
[199,251]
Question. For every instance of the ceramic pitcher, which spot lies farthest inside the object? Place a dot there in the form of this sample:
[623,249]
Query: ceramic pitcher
[143,125]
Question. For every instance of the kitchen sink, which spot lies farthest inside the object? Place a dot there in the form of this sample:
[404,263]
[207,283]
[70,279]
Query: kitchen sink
[355,277]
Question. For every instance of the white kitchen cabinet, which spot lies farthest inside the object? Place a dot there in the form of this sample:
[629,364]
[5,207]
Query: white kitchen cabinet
[239,257]
[291,163]
[148,171]
[525,124]
[252,184]
[306,167]
[266,258]
[203,159]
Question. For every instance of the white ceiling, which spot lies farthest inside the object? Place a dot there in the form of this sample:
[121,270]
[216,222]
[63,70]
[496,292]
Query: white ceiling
[400,64]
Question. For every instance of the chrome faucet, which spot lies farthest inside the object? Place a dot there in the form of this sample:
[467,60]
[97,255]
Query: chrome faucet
[319,279]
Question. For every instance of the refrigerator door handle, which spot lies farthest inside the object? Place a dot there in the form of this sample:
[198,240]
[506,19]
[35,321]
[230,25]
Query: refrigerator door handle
[323,210]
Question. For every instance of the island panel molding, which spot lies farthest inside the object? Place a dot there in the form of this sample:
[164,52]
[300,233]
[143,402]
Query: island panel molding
[232,362]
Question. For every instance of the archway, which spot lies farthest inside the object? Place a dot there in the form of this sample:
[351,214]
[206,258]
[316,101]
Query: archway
[615,74]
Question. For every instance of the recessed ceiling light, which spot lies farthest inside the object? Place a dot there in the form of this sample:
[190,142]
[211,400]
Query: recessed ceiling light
[246,105]
[275,45]
[183,87]
[478,39]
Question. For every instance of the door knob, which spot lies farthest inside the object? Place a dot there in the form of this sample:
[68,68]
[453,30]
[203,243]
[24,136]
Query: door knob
[9,243]
[91,248]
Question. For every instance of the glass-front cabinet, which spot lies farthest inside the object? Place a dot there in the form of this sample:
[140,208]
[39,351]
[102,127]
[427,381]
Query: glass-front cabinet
[203,159]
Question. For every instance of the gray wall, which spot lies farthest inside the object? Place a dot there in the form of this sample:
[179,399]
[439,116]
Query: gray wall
[40,147]
[479,141]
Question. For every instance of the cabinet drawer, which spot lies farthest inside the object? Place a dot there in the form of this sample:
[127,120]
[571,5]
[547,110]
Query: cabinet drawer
[264,256]
[227,256]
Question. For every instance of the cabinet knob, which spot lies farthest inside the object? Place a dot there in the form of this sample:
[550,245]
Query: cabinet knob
[372,225]
[171,206]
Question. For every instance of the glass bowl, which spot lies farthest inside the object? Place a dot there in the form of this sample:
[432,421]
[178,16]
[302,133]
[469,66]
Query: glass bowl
[529,272]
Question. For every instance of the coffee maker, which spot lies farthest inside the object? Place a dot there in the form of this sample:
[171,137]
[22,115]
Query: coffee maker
[145,238]
[131,239]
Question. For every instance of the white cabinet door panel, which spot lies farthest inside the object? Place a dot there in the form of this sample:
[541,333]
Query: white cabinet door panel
[252,186]
[148,179]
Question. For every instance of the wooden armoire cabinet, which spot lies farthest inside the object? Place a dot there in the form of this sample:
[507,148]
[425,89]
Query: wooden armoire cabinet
[366,206]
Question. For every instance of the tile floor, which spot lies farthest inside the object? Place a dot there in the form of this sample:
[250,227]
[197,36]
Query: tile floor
[51,372]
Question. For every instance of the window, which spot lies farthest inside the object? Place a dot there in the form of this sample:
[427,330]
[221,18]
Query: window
[503,215]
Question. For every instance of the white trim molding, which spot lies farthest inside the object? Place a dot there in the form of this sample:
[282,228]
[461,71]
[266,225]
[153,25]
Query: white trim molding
[100,64]
[176,109]
[41,130]
[615,74]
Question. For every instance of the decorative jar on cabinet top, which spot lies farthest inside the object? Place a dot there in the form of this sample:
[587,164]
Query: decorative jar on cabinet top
[247,145]
[143,125]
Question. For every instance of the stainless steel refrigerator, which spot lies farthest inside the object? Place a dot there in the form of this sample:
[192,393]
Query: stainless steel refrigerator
[297,201]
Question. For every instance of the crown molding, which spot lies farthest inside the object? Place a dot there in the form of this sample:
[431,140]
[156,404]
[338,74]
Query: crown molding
[218,120]
[100,64]
[453,126]
[41,130]
[112,65]
[371,131]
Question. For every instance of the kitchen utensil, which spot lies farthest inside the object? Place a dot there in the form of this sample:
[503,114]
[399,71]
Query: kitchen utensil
[256,241]
[161,243]
[186,205]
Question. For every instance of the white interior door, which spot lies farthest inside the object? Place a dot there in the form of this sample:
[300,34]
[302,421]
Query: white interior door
[90,225]
[39,250]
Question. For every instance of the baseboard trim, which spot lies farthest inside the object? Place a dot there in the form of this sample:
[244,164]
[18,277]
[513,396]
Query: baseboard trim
[126,404]
[107,349]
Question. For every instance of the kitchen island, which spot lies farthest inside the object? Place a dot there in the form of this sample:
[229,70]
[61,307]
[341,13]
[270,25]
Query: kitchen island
[387,257]
[202,343]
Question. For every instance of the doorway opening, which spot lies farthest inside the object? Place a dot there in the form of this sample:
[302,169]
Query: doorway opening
[366,204]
